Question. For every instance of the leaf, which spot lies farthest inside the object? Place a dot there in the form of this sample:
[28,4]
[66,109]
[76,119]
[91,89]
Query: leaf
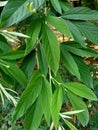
[15,71]
[46,99]
[4,46]
[29,95]
[15,11]
[88,30]
[56,5]
[74,48]
[12,55]
[43,65]
[59,24]
[51,48]
[7,79]
[71,112]
[78,104]
[65,5]
[81,13]
[76,33]
[81,90]
[28,64]
[33,116]
[33,32]
[85,75]
[69,62]
[70,125]
[56,104]
[18,34]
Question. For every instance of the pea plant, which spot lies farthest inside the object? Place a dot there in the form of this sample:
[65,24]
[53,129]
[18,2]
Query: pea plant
[34,64]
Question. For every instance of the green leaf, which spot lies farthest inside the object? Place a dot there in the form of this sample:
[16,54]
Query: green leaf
[56,5]
[88,30]
[71,112]
[33,116]
[28,64]
[81,90]
[43,65]
[56,104]
[14,71]
[33,32]
[85,75]
[69,62]
[76,33]
[4,46]
[81,13]
[59,24]
[74,48]
[12,55]
[70,125]
[65,5]
[51,48]
[29,95]
[78,104]
[7,79]
[15,11]
[46,99]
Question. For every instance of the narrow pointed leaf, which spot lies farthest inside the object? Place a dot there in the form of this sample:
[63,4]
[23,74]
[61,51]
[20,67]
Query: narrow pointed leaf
[78,104]
[46,99]
[59,24]
[84,71]
[81,13]
[14,71]
[70,125]
[74,48]
[15,11]
[51,48]
[28,64]
[33,32]
[12,55]
[43,65]
[76,33]
[29,95]
[88,30]
[33,116]
[81,90]
[4,46]
[56,104]
[56,5]
[69,62]
[72,112]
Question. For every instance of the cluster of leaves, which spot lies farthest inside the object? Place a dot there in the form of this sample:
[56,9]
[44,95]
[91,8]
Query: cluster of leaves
[34,66]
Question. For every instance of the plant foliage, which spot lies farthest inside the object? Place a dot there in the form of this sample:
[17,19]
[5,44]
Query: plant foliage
[34,65]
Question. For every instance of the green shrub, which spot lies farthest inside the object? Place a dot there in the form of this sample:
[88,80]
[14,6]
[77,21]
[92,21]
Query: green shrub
[33,66]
